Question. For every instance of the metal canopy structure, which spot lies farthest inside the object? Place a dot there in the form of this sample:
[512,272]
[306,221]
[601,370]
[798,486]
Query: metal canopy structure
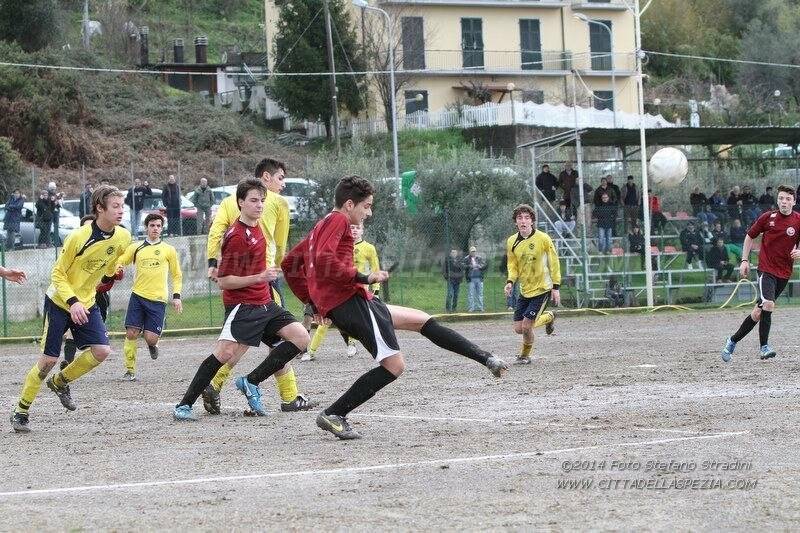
[676,136]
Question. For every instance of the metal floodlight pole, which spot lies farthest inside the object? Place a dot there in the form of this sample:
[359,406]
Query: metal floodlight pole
[332,65]
[582,211]
[648,266]
[393,104]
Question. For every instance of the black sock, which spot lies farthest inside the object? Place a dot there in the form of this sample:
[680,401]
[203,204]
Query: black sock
[746,327]
[763,327]
[450,340]
[277,359]
[206,372]
[362,390]
[69,350]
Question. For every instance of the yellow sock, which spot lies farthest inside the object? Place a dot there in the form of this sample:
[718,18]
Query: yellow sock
[287,385]
[319,336]
[544,319]
[82,364]
[526,349]
[129,353]
[222,377]
[30,388]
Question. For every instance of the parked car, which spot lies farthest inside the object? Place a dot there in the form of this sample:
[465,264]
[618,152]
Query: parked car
[29,234]
[296,191]
[782,150]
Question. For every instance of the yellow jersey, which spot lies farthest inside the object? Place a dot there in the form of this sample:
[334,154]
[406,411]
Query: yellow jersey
[533,262]
[274,222]
[154,263]
[365,259]
[89,253]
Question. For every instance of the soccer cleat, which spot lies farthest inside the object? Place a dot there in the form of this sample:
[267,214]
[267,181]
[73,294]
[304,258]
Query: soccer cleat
[253,395]
[727,351]
[19,422]
[129,376]
[352,350]
[183,413]
[496,366]
[211,401]
[551,327]
[153,351]
[338,425]
[62,393]
[309,356]
[523,360]
[767,352]
[301,403]
[63,364]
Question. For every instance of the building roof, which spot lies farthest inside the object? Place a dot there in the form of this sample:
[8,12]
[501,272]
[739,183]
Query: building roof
[682,136]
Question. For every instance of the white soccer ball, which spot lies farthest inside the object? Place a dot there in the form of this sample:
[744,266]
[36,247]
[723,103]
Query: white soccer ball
[668,167]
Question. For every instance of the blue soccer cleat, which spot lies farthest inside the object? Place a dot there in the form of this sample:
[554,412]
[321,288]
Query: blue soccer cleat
[253,395]
[767,352]
[183,413]
[727,351]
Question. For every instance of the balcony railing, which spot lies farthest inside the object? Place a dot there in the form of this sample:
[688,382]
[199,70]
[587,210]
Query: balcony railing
[622,62]
[472,60]
[600,4]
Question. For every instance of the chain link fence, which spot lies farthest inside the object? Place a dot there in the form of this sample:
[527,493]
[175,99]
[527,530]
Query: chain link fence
[415,240]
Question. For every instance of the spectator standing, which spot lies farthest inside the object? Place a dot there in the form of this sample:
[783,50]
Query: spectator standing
[636,244]
[135,200]
[657,218]
[44,218]
[55,204]
[453,273]
[767,200]
[718,232]
[475,267]
[698,201]
[616,198]
[13,216]
[692,244]
[732,201]
[601,190]
[630,200]
[567,180]
[546,182]
[718,260]
[85,203]
[203,199]
[606,214]
[749,204]
[171,196]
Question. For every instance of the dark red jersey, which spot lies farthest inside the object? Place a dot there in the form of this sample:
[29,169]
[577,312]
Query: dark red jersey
[320,268]
[244,253]
[781,235]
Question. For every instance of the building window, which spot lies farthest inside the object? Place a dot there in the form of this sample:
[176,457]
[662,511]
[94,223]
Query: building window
[472,43]
[535,95]
[603,100]
[600,45]
[531,44]
[413,44]
[413,104]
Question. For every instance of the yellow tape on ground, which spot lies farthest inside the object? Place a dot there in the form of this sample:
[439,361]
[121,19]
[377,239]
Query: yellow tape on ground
[736,289]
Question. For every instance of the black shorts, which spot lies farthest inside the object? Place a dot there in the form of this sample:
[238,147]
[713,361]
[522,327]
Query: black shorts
[769,287]
[530,308]
[253,324]
[368,321]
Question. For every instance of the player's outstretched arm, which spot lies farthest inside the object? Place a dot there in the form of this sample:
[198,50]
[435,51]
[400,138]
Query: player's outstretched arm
[15,276]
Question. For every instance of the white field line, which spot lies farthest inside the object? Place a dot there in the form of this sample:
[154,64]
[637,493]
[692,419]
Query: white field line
[353,469]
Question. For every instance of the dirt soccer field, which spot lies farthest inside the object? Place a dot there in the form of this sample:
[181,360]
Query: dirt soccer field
[627,422]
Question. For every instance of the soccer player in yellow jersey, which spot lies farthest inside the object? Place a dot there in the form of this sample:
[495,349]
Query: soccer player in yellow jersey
[532,260]
[89,256]
[155,261]
[365,259]
[274,223]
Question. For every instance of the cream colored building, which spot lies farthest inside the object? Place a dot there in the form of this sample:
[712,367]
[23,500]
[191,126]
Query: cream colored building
[533,44]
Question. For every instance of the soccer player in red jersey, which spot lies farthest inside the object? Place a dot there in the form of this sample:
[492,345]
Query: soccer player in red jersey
[251,317]
[781,233]
[320,270]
